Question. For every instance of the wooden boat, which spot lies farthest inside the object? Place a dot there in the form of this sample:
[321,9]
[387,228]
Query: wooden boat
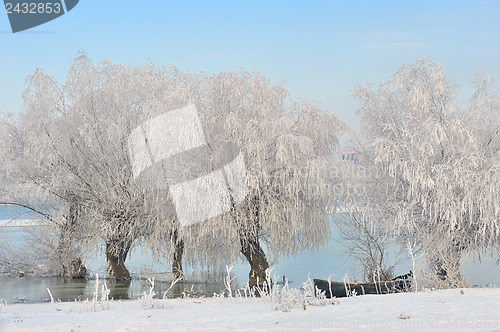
[343,289]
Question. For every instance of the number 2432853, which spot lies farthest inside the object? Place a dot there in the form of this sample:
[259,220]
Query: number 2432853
[33,8]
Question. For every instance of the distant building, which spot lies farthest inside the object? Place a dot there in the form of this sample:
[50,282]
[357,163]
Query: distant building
[354,157]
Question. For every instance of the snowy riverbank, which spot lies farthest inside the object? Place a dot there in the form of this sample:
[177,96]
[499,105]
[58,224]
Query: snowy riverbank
[468,309]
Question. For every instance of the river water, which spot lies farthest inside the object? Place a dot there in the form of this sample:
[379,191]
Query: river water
[320,263]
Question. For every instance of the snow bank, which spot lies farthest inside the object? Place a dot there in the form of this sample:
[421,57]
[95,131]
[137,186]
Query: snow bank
[454,310]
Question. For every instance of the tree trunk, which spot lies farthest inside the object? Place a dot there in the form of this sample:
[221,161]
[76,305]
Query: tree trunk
[116,254]
[72,265]
[76,269]
[177,271]
[257,258]
[448,267]
[250,245]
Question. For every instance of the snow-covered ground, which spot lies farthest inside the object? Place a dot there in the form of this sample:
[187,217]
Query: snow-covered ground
[473,309]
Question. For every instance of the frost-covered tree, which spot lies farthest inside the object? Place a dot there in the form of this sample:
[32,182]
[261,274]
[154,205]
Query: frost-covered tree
[21,187]
[70,151]
[368,242]
[287,150]
[483,117]
[72,141]
[437,166]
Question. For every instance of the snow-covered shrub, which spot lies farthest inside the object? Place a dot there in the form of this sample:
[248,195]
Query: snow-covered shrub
[51,300]
[404,316]
[228,280]
[287,298]
[268,289]
[3,304]
[149,302]
[100,300]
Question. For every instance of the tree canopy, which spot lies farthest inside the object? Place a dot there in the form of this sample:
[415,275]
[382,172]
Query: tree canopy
[69,144]
[436,165]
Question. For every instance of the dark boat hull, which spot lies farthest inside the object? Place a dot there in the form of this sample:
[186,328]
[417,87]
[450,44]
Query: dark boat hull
[341,289]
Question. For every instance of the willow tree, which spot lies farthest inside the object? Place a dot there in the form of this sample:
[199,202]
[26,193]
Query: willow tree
[71,150]
[437,169]
[287,150]
[75,136]
[25,184]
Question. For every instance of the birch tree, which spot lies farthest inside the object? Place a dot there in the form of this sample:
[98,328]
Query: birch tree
[437,165]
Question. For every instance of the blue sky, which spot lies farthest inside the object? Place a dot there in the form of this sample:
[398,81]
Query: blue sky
[322,49]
